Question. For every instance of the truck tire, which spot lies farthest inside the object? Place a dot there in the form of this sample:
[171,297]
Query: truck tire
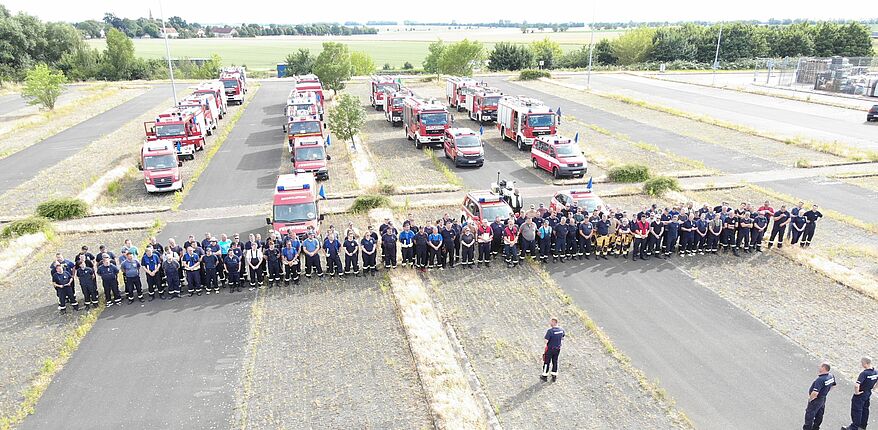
[520,144]
[534,162]
[418,144]
[555,173]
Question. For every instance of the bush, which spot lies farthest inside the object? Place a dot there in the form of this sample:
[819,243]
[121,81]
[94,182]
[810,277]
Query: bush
[660,185]
[387,66]
[629,173]
[407,66]
[367,202]
[532,74]
[29,225]
[61,209]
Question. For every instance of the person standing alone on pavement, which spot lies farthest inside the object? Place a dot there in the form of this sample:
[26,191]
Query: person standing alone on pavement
[862,392]
[553,337]
[817,397]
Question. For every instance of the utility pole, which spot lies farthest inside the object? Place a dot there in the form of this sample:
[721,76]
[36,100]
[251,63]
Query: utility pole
[591,46]
[168,53]
[716,57]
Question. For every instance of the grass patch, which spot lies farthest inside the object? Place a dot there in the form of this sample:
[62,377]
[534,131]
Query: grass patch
[385,188]
[628,173]
[837,216]
[29,225]
[62,208]
[450,176]
[659,185]
[803,163]
[533,74]
[367,202]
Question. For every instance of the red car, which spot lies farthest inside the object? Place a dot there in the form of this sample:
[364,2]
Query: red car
[559,156]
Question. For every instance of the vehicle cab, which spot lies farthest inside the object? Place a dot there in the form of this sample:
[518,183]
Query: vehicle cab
[872,115]
[392,105]
[308,155]
[380,86]
[295,205]
[583,198]
[483,205]
[234,87]
[559,156]
[160,166]
[304,126]
[464,147]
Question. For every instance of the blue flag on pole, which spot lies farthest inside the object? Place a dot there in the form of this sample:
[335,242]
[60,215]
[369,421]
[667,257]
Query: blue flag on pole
[481,130]
[322,193]
[576,138]
[587,186]
[328,139]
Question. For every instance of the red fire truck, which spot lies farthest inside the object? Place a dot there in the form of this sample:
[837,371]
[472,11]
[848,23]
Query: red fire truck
[453,87]
[559,156]
[207,106]
[308,155]
[484,205]
[184,127]
[481,103]
[304,126]
[425,121]
[235,86]
[379,86]
[160,166]
[301,104]
[311,83]
[392,105]
[521,119]
[216,88]
[295,205]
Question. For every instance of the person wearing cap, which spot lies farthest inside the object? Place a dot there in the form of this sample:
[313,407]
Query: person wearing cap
[291,261]
[862,393]
[62,280]
[351,250]
[484,238]
[817,397]
[388,245]
[406,244]
[103,252]
[152,266]
[131,273]
[171,268]
[88,283]
[811,218]
[467,247]
[109,274]
[369,249]
[311,249]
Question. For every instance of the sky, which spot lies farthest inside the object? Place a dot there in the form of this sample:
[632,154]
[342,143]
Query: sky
[300,11]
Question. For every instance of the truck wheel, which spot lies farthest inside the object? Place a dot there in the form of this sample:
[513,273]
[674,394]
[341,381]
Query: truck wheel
[209,131]
[534,162]
[555,173]
[418,143]
[520,144]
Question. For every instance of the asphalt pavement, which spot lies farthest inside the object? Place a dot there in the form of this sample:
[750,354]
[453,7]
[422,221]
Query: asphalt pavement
[788,118]
[245,169]
[11,103]
[24,165]
[724,368]
[839,196]
[713,156]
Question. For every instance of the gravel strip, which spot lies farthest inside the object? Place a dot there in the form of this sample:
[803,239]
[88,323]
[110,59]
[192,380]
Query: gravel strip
[32,328]
[752,145]
[869,182]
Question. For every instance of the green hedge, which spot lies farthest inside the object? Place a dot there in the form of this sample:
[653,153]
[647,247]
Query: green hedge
[628,173]
[532,74]
[61,209]
[660,185]
[29,225]
[369,201]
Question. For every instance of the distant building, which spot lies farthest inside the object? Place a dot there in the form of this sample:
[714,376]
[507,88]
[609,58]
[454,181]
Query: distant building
[199,33]
[875,34]
[224,32]
[171,32]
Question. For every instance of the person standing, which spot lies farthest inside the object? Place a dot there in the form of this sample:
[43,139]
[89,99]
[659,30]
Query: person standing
[510,243]
[450,241]
[730,226]
[745,224]
[191,263]
[131,272]
[388,245]
[406,243]
[560,231]
[420,244]
[641,239]
[528,233]
[171,267]
[232,267]
[797,226]
[554,336]
[760,223]
[369,249]
[211,263]
[484,238]
[602,241]
[331,249]
[779,219]
[656,233]
[467,247]
[862,393]
[152,265]
[351,255]
[545,235]
[62,280]
[311,249]
[811,218]
[817,397]
[273,261]
[225,244]
[88,283]
[497,228]
[109,274]
[434,250]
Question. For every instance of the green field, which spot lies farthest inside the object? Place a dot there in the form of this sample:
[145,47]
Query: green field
[264,53]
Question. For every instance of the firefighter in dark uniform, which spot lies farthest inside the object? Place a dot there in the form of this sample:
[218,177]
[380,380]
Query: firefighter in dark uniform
[388,245]
[450,241]
[687,235]
[467,247]
[745,225]
[811,218]
[420,241]
[780,219]
[497,228]
[862,393]
[292,263]
[88,283]
[572,234]
[701,225]
[232,267]
[484,238]
[62,280]
[351,255]
[730,226]
[406,237]
[331,248]
[369,250]
[560,231]
[817,398]
[714,233]
[109,274]
[554,336]
[311,248]
[656,235]
[171,269]
[434,250]
[191,263]
[760,223]
[584,233]
[210,262]
[274,262]
[152,265]
[797,226]
[544,233]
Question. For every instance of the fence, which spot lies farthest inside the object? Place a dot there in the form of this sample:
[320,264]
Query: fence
[846,75]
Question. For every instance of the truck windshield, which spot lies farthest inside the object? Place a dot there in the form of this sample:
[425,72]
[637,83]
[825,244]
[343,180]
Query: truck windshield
[434,118]
[381,87]
[494,211]
[168,130]
[156,162]
[541,120]
[231,83]
[567,150]
[492,101]
[468,142]
[310,153]
[589,204]
[305,127]
[397,102]
[295,213]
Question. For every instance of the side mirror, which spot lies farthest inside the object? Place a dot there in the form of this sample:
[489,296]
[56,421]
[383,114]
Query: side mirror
[268,220]
[140,166]
[328,157]
[320,217]
[179,163]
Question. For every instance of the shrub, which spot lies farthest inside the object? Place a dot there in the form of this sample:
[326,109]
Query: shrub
[628,173]
[61,209]
[532,74]
[386,66]
[803,163]
[407,66]
[367,202]
[660,185]
[29,225]
[386,188]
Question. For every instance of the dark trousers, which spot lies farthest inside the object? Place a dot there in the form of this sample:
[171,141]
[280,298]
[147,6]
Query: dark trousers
[421,253]
[111,291]
[529,247]
[584,246]
[193,280]
[712,242]
[795,235]
[255,274]
[221,269]
[312,265]
[449,254]
[173,283]
[408,255]
[777,231]
[670,243]
[860,411]
[466,254]
[496,244]
[210,279]
[685,242]
[808,234]
[814,414]
[743,240]
[560,248]
[352,263]
[133,284]
[434,257]
[640,249]
[66,295]
[728,238]
[90,292]
[333,265]
[234,278]
[510,252]
[700,242]
[484,252]
[551,357]
[756,236]
[154,282]
[291,272]
[389,255]
[369,262]
[653,244]
[274,272]
[545,248]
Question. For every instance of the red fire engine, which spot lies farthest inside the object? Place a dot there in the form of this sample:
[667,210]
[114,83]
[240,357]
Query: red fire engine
[379,85]
[160,166]
[234,86]
[453,86]
[295,205]
[308,155]
[521,119]
[184,127]
[481,103]
[301,104]
[392,104]
[216,88]
[425,121]
[207,106]
[304,126]
[311,83]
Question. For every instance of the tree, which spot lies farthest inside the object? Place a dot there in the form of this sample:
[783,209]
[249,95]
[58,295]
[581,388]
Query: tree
[547,51]
[508,56]
[459,58]
[361,64]
[854,40]
[434,54]
[347,117]
[825,38]
[119,56]
[43,86]
[152,30]
[670,44]
[407,66]
[333,66]
[604,54]
[300,63]
[82,64]
[633,46]
[791,41]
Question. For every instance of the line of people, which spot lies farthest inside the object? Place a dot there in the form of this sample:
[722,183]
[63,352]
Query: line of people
[203,267]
